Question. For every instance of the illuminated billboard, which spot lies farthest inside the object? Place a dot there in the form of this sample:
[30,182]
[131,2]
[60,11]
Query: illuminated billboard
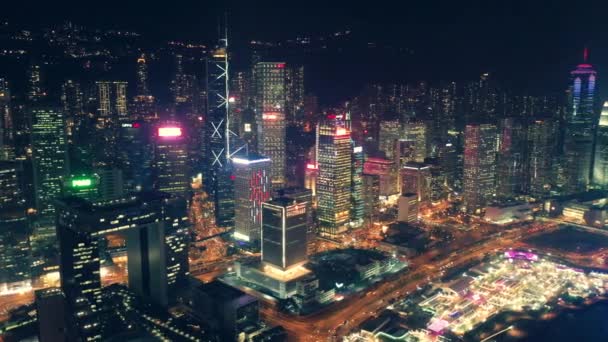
[170,132]
[81,182]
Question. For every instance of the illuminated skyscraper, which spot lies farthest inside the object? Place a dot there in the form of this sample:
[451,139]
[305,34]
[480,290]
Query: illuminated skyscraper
[136,160]
[390,132]
[511,163]
[541,146]
[270,106]
[479,166]
[600,166]
[580,126]
[171,159]
[142,76]
[217,168]
[7,148]
[294,101]
[334,153]
[156,229]
[112,99]
[416,131]
[49,154]
[416,179]
[357,211]
[252,187]
[284,235]
[15,262]
[35,90]
[143,102]
[72,99]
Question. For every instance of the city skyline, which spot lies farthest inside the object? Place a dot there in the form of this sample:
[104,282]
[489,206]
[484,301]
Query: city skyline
[314,172]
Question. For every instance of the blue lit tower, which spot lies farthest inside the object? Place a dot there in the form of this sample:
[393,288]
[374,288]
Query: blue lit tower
[580,125]
[217,167]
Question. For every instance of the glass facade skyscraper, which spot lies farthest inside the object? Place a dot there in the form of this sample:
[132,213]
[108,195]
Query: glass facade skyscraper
[252,187]
[270,107]
[171,159]
[479,166]
[334,153]
[49,154]
[284,236]
[580,128]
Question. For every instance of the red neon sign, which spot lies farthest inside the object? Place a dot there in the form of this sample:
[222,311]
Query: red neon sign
[170,132]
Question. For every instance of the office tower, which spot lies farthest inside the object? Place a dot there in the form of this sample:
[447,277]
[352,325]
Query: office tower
[85,186]
[416,179]
[252,187]
[416,131]
[270,104]
[357,211]
[111,99]
[111,182]
[404,151]
[311,174]
[294,95]
[156,229]
[408,208]
[171,159]
[143,107]
[311,110]
[334,153]
[49,155]
[7,129]
[511,158]
[11,184]
[35,89]
[142,76]
[302,195]
[390,131]
[479,166]
[72,99]
[51,314]
[448,161]
[15,229]
[284,235]
[580,126]
[184,87]
[388,175]
[79,269]
[217,169]
[444,109]
[231,309]
[600,164]
[137,155]
[437,182]
[371,195]
[541,146]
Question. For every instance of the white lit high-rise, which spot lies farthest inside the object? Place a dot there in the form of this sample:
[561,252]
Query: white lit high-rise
[334,153]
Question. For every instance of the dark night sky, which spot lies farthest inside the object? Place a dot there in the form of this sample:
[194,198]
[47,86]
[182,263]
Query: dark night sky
[534,42]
